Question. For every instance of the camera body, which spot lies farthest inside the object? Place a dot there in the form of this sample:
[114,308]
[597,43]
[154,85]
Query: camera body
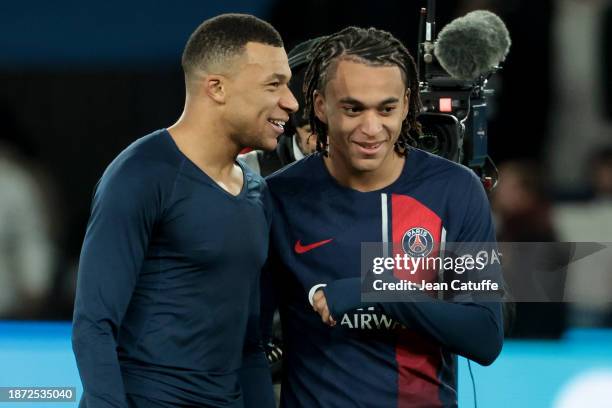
[454,119]
[454,113]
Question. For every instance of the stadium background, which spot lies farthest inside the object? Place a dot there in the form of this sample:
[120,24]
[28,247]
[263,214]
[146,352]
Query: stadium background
[79,81]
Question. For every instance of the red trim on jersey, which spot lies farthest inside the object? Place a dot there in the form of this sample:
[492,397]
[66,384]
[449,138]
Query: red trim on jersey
[418,357]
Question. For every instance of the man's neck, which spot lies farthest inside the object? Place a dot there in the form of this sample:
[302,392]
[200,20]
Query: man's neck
[365,181]
[207,145]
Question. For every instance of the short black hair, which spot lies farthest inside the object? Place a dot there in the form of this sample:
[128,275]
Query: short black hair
[372,47]
[225,36]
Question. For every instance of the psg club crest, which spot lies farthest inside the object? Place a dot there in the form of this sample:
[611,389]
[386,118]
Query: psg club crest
[417,242]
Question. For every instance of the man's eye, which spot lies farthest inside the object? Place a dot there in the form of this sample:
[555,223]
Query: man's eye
[389,109]
[274,84]
[352,109]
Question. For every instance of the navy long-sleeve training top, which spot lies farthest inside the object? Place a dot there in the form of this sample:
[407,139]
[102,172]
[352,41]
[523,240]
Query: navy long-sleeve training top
[384,354]
[168,276]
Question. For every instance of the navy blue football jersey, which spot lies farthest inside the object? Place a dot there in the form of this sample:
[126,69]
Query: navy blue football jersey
[168,285]
[384,354]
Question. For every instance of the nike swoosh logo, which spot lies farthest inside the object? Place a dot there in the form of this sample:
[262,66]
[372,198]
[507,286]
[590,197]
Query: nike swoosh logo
[300,249]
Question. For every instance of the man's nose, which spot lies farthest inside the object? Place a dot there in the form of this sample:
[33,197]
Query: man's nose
[288,102]
[371,124]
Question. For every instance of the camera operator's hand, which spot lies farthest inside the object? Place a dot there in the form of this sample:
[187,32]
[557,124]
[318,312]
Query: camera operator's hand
[320,306]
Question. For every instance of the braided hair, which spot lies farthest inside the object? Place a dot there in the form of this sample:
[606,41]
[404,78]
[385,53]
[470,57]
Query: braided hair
[372,47]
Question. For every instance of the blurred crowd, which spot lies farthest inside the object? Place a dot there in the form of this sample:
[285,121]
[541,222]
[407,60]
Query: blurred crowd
[550,131]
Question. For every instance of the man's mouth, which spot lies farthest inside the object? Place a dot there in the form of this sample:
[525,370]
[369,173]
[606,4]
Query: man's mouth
[368,148]
[277,125]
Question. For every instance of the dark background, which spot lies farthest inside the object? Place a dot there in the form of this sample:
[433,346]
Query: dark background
[79,82]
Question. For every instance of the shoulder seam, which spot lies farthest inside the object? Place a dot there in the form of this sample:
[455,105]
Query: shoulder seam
[179,171]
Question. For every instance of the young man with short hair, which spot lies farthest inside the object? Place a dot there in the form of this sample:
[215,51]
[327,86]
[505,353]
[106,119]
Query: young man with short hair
[168,282]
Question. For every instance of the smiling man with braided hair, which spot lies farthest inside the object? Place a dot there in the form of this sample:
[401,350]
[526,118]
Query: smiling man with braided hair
[367,183]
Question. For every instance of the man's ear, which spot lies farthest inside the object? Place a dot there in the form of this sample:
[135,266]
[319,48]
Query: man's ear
[406,103]
[319,107]
[215,86]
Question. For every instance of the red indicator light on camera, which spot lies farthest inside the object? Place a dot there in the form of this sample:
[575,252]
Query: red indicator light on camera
[446,105]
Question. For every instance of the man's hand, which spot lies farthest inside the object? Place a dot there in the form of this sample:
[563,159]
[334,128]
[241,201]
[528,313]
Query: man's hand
[319,305]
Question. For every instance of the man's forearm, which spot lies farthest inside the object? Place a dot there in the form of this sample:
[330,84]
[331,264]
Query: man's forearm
[454,325]
[96,357]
